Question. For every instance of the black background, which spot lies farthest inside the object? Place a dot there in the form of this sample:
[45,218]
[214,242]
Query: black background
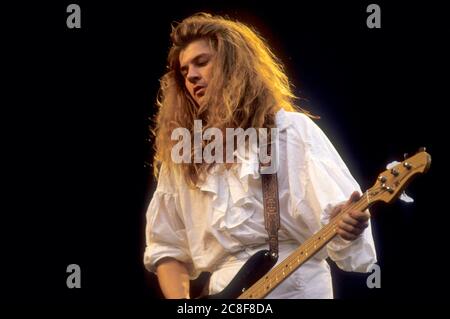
[76,104]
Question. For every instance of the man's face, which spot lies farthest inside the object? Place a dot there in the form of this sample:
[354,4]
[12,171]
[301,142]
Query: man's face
[195,66]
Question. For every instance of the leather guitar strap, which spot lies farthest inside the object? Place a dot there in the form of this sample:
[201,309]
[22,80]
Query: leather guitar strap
[271,208]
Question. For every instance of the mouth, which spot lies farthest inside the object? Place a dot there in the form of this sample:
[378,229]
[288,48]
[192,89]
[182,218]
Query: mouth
[199,91]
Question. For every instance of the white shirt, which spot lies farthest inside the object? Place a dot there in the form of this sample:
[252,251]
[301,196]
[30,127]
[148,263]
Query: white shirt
[218,225]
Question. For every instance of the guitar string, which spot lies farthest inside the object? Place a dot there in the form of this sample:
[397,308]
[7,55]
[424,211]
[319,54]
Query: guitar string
[263,283]
[294,259]
[313,241]
[308,244]
[287,264]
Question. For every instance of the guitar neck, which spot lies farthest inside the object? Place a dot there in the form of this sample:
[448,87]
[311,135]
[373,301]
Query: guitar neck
[309,248]
[388,186]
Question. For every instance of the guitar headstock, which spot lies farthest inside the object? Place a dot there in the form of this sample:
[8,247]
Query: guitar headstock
[393,181]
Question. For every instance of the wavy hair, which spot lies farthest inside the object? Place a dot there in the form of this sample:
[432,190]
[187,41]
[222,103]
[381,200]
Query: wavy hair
[247,88]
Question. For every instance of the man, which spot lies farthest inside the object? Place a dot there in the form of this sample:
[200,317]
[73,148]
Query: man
[209,216]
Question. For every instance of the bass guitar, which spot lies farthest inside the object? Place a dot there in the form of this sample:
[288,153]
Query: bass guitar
[256,279]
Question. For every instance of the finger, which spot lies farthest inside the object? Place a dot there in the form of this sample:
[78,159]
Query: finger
[355,196]
[350,228]
[346,235]
[360,216]
[350,220]
[336,210]
[363,226]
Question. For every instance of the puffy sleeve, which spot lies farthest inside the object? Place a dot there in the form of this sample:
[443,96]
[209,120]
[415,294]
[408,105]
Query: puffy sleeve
[165,232]
[329,182]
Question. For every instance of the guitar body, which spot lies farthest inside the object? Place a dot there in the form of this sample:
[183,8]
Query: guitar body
[253,269]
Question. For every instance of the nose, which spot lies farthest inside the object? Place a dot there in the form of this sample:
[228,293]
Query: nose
[193,75]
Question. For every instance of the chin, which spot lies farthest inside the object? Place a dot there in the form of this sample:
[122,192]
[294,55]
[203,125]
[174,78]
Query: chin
[199,101]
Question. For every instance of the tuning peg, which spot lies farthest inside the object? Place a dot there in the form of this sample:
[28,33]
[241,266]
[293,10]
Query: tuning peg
[385,187]
[405,155]
[422,149]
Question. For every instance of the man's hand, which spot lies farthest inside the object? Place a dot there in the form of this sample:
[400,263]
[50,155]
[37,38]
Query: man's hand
[353,222]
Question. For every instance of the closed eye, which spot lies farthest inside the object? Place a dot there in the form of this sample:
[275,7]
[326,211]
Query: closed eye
[203,63]
[199,61]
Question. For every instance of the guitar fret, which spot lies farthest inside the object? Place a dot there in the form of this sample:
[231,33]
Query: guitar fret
[262,287]
[417,164]
[280,272]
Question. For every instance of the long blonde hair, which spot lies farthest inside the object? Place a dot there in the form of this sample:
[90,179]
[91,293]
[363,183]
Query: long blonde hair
[247,88]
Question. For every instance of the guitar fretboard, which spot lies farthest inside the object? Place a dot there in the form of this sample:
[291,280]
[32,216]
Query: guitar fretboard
[308,249]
